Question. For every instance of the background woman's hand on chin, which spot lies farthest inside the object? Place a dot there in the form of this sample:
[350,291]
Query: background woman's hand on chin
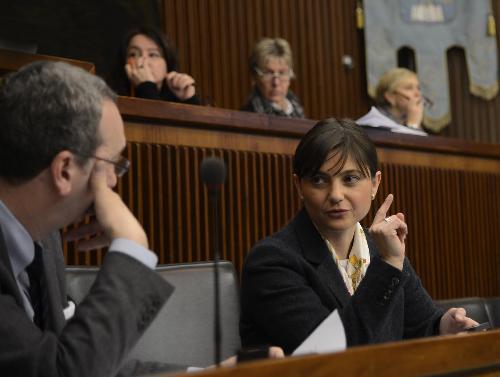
[138,72]
[181,84]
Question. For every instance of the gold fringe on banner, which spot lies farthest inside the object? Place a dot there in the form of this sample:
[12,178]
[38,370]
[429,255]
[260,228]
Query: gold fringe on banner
[371,90]
[360,16]
[492,28]
[486,92]
[437,125]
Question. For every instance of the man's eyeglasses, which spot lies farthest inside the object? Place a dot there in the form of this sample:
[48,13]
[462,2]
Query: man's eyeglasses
[269,76]
[121,166]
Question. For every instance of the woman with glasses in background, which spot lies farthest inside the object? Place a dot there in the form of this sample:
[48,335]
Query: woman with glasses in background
[271,66]
[399,104]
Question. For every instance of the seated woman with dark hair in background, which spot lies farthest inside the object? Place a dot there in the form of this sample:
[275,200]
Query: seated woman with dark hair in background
[324,260]
[271,66]
[398,103]
[147,69]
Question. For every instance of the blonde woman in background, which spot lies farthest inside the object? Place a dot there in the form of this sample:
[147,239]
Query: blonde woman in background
[271,66]
[398,103]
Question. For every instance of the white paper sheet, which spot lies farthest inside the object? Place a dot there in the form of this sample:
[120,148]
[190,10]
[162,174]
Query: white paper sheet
[376,119]
[328,337]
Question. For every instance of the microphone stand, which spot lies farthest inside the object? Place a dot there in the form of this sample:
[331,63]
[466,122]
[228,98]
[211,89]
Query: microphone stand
[213,174]
[214,196]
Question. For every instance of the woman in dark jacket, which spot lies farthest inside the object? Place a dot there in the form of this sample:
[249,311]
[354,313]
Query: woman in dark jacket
[148,69]
[324,260]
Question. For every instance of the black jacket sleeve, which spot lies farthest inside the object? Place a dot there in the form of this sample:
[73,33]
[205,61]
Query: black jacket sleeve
[121,304]
[149,90]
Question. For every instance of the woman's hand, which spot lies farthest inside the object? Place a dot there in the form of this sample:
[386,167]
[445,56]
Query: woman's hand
[415,112]
[138,72]
[273,353]
[455,321]
[389,233]
[181,84]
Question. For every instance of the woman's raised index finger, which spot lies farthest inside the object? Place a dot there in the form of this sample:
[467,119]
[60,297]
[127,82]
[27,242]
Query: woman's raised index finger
[382,211]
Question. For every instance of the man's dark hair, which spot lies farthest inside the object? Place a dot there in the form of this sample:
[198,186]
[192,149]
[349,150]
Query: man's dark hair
[344,138]
[45,108]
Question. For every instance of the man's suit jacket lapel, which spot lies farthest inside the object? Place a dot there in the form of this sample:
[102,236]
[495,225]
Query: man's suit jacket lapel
[8,283]
[53,273]
[316,252]
[55,320]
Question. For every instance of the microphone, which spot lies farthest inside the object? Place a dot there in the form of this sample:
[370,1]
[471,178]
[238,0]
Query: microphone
[213,175]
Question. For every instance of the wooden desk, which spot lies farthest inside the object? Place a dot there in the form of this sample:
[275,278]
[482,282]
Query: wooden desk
[448,189]
[13,60]
[470,355]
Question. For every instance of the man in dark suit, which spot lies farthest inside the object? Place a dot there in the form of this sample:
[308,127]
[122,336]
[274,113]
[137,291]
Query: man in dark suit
[61,139]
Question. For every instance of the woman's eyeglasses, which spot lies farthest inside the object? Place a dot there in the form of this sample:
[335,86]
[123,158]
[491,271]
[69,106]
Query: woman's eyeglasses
[269,76]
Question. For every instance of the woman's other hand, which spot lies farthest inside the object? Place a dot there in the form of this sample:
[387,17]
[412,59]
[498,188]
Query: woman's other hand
[181,84]
[455,321]
[389,233]
[273,353]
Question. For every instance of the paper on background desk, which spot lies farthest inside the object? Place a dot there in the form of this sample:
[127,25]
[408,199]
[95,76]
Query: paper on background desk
[397,128]
[328,337]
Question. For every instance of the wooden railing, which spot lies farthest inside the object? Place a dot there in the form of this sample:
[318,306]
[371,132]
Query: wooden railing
[13,60]
[470,355]
[448,189]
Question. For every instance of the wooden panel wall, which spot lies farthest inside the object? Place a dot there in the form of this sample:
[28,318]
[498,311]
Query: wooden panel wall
[164,190]
[215,37]
[452,227]
[473,117]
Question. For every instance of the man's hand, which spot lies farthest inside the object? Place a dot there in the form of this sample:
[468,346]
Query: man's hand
[112,217]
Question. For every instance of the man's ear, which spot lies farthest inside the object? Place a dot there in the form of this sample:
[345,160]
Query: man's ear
[298,186]
[63,169]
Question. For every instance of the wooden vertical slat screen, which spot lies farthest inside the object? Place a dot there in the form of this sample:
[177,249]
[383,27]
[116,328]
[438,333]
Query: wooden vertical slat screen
[453,229]
[452,215]
[164,190]
[215,38]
